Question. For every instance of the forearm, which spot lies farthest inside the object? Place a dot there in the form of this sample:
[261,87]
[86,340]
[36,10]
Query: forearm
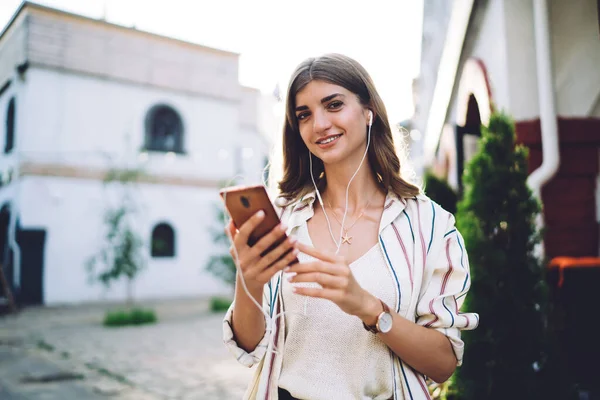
[248,322]
[425,350]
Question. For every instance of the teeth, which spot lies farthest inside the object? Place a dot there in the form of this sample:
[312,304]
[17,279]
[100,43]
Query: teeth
[331,139]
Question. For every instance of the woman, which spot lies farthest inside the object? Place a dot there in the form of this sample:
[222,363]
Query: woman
[373,305]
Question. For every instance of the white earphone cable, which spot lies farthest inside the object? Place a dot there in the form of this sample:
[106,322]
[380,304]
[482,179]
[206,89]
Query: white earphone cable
[338,243]
[270,321]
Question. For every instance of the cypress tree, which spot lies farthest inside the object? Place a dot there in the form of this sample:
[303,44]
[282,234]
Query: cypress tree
[497,218]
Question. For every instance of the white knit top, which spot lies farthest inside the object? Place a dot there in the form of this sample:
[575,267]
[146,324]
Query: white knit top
[328,354]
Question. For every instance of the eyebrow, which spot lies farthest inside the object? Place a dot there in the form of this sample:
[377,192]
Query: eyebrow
[323,100]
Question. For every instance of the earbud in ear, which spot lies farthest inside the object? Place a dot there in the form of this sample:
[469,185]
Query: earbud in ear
[370,117]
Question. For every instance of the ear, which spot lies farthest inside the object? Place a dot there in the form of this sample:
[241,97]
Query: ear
[370,117]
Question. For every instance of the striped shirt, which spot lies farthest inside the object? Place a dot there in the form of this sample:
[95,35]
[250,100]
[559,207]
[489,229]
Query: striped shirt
[429,265]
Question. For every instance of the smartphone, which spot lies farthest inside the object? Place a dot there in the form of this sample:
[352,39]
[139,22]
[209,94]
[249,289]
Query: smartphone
[243,202]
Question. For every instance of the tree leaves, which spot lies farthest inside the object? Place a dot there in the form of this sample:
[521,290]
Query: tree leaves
[220,264]
[496,217]
[121,253]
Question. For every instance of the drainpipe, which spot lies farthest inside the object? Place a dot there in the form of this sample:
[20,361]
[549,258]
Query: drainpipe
[548,118]
[13,227]
[17,182]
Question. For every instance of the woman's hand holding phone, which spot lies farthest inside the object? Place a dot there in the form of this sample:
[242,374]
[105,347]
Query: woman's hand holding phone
[258,263]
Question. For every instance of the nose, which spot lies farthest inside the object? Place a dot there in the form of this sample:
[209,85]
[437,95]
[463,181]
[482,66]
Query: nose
[321,122]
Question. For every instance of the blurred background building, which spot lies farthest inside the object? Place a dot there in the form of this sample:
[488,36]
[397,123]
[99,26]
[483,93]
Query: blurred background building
[536,60]
[81,97]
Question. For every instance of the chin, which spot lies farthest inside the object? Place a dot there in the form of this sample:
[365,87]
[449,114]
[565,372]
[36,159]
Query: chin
[337,157]
[332,157]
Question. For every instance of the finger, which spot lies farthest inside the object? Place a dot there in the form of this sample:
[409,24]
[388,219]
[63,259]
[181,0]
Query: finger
[278,266]
[235,255]
[329,294]
[272,256]
[284,252]
[231,230]
[289,259]
[317,266]
[323,279]
[319,254]
[269,239]
[247,228]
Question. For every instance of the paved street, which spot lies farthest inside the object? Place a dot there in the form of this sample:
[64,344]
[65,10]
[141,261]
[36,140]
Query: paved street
[182,357]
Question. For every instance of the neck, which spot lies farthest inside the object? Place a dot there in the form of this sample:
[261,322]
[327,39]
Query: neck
[362,188]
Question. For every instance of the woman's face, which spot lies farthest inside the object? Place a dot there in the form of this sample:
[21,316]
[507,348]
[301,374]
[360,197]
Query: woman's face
[332,121]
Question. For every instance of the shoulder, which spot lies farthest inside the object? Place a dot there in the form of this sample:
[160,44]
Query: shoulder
[427,208]
[433,219]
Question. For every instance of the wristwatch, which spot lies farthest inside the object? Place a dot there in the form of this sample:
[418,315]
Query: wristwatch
[384,321]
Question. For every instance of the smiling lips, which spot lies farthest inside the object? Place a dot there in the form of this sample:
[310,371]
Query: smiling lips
[328,140]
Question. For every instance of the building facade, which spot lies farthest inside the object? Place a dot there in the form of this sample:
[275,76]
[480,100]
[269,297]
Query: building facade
[536,60]
[82,98]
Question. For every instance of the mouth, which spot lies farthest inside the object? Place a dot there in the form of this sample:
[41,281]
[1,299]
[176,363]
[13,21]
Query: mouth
[328,139]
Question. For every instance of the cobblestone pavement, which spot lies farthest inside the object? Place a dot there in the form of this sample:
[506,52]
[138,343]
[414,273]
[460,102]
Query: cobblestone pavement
[182,357]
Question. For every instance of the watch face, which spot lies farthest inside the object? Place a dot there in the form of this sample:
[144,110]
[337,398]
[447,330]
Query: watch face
[385,323]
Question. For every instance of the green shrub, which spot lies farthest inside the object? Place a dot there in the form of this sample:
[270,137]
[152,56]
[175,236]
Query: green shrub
[135,316]
[140,316]
[116,318]
[507,355]
[439,191]
[219,304]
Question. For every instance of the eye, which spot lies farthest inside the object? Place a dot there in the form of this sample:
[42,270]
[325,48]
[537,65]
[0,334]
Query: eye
[334,105]
[302,116]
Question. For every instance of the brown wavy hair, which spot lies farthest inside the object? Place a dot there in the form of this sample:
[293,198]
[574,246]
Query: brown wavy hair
[343,71]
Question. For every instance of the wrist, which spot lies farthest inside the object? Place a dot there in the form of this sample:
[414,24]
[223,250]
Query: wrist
[370,310]
[255,290]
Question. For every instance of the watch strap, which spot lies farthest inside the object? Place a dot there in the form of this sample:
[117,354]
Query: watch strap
[373,328]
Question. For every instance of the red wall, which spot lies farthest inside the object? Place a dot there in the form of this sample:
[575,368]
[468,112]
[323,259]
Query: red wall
[570,196]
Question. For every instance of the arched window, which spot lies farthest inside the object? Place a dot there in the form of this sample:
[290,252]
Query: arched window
[164,130]
[10,126]
[163,241]
[467,138]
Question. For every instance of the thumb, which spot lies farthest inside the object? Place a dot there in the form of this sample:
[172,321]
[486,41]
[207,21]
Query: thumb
[231,229]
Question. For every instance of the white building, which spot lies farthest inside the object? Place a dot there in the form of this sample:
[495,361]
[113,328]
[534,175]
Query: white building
[82,97]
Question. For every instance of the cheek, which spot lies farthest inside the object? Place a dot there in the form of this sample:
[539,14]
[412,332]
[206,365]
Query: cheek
[349,120]
[304,135]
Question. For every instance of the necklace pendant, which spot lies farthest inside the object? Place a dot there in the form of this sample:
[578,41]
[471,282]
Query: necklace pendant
[346,238]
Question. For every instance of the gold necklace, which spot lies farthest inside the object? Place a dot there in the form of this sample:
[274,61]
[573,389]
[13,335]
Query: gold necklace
[345,237]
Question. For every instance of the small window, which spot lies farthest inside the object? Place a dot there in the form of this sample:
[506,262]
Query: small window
[163,241]
[164,130]
[10,126]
